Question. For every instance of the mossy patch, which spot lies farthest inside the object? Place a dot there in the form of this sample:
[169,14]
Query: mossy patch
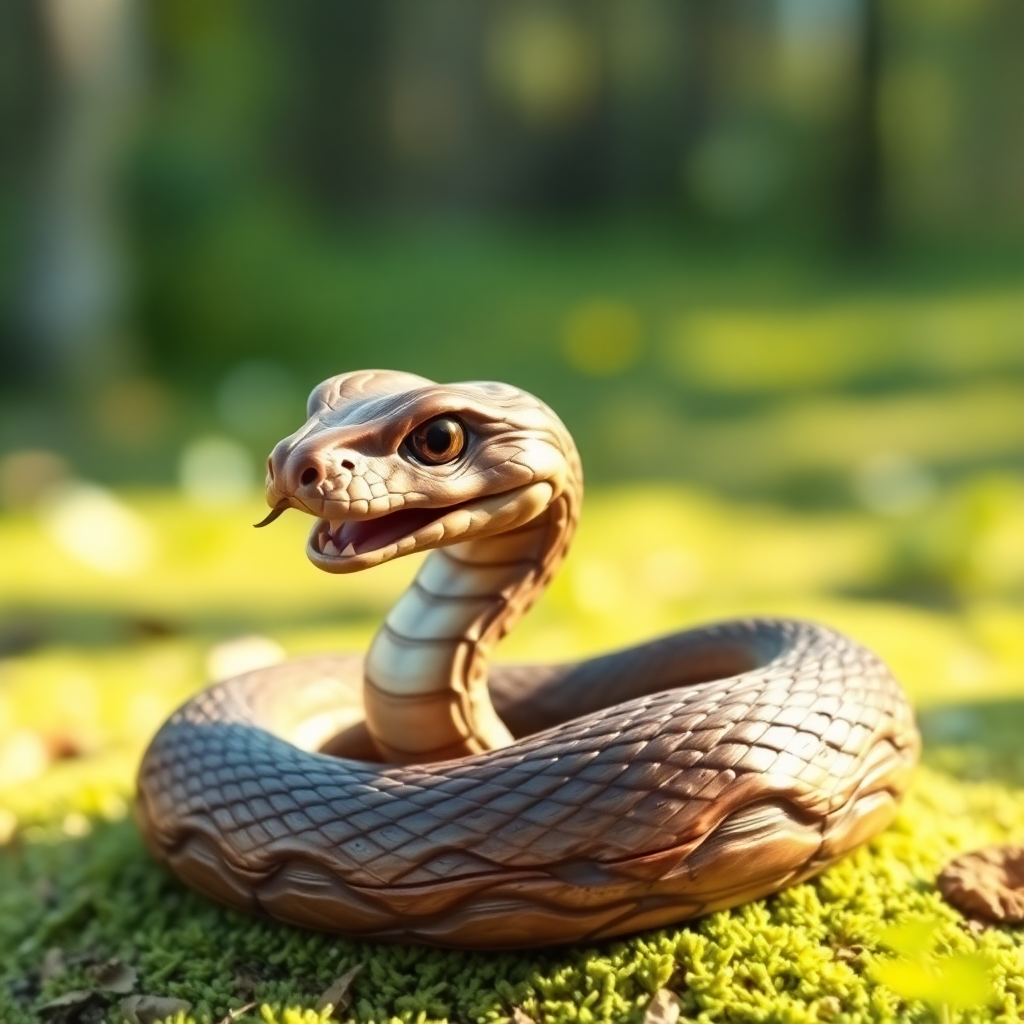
[810,954]
[75,877]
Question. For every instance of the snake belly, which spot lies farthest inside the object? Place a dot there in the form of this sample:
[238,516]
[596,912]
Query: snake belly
[644,787]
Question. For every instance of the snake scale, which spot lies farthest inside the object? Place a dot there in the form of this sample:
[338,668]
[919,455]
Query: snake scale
[421,795]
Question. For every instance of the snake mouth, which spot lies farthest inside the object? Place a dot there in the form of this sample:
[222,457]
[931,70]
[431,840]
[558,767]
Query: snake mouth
[348,538]
[348,545]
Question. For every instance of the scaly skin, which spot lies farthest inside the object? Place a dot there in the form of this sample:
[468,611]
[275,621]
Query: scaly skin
[633,790]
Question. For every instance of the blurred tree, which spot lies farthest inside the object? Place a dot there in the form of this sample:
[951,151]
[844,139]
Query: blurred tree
[25,96]
[268,129]
[862,177]
[74,274]
[329,125]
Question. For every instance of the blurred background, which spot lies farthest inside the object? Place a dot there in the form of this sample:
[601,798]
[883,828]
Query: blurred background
[765,257]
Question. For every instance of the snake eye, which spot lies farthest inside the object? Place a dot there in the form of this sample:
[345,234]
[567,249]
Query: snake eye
[437,441]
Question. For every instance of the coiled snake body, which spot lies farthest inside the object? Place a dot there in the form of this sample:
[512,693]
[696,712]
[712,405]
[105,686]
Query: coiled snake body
[415,795]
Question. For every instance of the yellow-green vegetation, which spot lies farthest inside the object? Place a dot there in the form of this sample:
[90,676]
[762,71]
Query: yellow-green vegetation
[98,651]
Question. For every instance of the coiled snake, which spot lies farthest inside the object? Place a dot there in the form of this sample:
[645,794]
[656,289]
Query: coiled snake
[419,795]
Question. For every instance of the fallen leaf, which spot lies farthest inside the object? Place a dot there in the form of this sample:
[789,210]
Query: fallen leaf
[150,1009]
[114,976]
[338,995]
[77,1007]
[988,883]
[72,998]
[663,1008]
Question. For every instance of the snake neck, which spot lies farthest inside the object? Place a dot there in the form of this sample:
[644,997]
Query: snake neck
[425,677]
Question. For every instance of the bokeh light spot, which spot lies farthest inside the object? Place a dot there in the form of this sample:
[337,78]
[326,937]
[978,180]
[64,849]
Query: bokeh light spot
[893,485]
[545,64]
[97,529]
[242,654]
[132,412]
[216,471]
[27,475]
[602,338]
[259,397]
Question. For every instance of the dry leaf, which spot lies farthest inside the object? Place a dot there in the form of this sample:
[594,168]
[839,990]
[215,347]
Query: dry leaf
[521,1017]
[150,1009]
[73,998]
[338,996]
[987,883]
[78,1007]
[663,1008]
[114,976]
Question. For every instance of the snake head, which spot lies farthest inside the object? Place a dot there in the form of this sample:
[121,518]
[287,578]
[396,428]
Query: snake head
[391,463]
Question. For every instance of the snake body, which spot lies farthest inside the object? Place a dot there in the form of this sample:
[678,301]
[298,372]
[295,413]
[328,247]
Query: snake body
[418,795]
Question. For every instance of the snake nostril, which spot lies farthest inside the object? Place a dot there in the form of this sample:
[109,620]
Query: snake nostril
[347,464]
[270,469]
[310,475]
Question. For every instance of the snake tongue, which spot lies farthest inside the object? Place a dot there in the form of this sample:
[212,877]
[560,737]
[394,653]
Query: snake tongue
[357,537]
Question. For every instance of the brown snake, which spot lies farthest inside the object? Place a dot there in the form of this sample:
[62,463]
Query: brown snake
[630,791]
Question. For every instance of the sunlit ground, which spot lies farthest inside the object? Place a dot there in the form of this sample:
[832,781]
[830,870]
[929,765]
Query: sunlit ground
[117,607]
[882,432]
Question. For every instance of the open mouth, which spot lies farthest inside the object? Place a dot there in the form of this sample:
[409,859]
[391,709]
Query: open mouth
[347,545]
[346,537]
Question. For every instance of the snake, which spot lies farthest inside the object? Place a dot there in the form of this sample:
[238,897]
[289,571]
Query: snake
[420,794]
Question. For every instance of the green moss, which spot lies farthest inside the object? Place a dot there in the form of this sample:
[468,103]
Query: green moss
[73,873]
[809,954]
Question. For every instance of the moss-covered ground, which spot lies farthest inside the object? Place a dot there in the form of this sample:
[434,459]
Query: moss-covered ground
[98,654]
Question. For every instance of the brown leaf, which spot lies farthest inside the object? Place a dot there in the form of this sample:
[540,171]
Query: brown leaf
[150,1009]
[663,1008]
[987,884]
[114,976]
[338,995]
